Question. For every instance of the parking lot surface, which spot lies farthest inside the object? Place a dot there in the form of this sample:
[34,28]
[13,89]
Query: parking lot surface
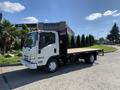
[103,75]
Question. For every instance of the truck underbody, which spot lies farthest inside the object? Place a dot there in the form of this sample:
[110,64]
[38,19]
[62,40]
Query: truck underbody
[81,53]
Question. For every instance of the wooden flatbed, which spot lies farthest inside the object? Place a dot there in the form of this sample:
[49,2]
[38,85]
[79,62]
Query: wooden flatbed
[83,50]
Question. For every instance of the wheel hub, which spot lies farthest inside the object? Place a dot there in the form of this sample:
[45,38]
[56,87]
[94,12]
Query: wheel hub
[91,58]
[52,66]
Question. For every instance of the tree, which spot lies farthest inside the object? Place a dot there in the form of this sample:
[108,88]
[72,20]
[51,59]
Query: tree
[23,34]
[7,36]
[83,42]
[87,41]
[101,40]
[78,41]
[91,40]
[72,42]
[114,35]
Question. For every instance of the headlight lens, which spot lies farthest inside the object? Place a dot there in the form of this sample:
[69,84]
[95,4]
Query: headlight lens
[32,57]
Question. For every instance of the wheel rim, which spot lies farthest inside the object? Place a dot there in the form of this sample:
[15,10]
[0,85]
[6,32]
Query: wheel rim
[91,58]
[52,66]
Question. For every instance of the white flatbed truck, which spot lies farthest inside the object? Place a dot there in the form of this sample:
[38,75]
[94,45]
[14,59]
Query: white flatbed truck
[49,49]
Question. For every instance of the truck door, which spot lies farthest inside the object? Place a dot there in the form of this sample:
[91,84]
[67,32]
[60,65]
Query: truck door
[47,47]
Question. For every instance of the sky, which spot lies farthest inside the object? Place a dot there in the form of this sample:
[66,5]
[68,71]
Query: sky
[94,17]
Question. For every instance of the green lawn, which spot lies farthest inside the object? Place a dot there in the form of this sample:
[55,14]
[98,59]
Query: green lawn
[106,48]
[9,60]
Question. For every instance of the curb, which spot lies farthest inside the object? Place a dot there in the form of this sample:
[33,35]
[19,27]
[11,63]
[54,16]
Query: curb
[5,65]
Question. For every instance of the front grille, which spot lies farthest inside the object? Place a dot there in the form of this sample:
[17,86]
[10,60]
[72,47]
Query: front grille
[26,58]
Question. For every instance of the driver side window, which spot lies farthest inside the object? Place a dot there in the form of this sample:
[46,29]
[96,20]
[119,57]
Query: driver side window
[46,38]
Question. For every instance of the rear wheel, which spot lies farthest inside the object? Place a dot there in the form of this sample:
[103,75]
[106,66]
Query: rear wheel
[90,59]
[52,65]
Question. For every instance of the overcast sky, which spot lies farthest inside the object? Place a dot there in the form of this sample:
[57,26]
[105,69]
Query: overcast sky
[83,16]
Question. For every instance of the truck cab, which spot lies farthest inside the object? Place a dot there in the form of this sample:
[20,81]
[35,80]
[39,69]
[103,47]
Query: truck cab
[39,47]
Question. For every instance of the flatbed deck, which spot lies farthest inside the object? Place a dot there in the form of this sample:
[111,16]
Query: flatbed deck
[80,50]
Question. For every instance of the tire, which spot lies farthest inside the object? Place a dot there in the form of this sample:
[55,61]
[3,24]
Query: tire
[52,65]
[90,59]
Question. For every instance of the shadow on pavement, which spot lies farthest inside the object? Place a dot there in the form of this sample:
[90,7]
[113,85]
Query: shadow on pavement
[22,77]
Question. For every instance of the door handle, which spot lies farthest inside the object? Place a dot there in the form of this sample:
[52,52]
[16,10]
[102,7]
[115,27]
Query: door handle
[39,51]
[55,50]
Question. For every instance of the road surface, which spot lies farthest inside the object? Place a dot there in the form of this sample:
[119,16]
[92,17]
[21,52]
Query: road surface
[103,75]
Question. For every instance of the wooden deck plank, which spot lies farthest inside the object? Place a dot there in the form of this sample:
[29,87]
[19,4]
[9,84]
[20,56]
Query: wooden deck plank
[75,50]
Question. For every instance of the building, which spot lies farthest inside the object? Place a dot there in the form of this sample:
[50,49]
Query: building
[48,26]
[32,26]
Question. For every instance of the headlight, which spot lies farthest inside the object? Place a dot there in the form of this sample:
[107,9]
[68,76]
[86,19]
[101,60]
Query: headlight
[32,57]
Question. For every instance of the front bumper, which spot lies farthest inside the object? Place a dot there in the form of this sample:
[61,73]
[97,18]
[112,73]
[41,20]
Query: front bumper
[29,64]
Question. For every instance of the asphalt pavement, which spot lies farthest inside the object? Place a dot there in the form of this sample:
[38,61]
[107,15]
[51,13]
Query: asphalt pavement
[104,74]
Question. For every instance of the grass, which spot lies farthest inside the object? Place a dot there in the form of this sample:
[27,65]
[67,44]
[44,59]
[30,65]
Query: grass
[9,60]
[106,48]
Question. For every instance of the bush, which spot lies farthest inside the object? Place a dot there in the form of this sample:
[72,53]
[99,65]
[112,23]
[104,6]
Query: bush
[78,41]
[83,41]
[73,42]
[9,55]
[19,54]
[17,45]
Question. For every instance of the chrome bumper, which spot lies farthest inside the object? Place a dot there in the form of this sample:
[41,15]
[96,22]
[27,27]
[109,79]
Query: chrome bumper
[29,64]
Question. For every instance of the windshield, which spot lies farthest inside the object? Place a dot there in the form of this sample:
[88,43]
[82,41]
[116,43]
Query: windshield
[31,39]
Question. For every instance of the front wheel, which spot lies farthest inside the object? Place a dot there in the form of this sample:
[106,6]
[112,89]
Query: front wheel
[90,59]
[52,65]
